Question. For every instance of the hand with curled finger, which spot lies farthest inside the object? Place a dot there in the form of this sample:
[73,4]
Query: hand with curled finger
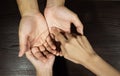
[42,61]
[78,50]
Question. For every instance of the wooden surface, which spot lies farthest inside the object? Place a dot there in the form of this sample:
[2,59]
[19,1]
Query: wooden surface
[102,27]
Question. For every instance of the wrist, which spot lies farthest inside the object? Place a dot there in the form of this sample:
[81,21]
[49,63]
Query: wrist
[92,64]
[91,60]
[27,7]
[55,3]
[44,72]
[28,13]
[101,68]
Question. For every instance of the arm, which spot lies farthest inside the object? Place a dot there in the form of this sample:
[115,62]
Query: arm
[101,68]
[28,7]
[53,3]
[79,50]
[33,29]
[47,72]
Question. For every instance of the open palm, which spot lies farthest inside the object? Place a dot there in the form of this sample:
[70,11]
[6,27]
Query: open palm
[33,31]
[61,17]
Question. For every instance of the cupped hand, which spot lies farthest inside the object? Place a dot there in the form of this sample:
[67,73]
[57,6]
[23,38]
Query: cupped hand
[61,17]
[76,49]
[33,31]
[42,61]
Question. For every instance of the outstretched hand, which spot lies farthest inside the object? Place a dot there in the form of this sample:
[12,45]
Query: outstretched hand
[61,17]
[33,32]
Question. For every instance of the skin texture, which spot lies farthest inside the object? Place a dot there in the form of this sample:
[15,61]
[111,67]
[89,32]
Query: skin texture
[57,15]
[43,63]
[78,50]
[33,29]
[33,32]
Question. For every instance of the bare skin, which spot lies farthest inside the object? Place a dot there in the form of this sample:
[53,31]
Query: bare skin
[33,29]
[78,50]
[57,15]
[42,63]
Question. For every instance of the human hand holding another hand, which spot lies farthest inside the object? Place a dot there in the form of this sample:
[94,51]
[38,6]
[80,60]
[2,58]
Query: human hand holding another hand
[78,50]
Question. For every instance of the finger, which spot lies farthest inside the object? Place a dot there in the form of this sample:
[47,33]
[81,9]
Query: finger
[63,50]
[57,54]
[68,35]
[79,39]
[49,48]
[53,37]
[50,43]
[42,48]
[38,55]
[61,53]
[30,56]
[47,54]
[86,43]
[59,36]
[23,45]
[79,26]
[50,57]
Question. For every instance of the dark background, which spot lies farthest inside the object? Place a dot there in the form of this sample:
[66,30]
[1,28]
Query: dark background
[101,21]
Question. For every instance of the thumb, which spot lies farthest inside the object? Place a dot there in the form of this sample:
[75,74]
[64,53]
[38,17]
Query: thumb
[23,45]
[79,26]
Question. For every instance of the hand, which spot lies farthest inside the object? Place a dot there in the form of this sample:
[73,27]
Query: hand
[33,31]
[76,49]
[61,17]
[42,63]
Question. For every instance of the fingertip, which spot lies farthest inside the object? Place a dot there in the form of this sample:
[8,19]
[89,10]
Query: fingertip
[80,30]
[23,49]
[54,52]
[57,54]
[61,54]
[20,54]
[42,48]
[53,47]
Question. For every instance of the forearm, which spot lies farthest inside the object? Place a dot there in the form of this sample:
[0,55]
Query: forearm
[28,7]
[47,72]
[51,3]
[100,67]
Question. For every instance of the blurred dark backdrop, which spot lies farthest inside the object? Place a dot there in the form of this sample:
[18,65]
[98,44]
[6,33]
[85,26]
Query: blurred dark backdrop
[101,21]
